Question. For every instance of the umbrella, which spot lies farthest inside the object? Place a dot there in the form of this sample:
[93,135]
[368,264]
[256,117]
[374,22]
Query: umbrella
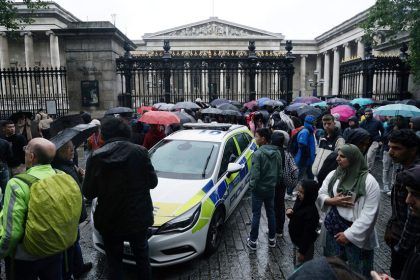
[362,101]
[214,111]
[321,104]
[308,110]
[337,100]
[15,116]
[166,107]
[77,134]
[141,109]
[236,103]
[293,107]
[186,105]
[260,101]
[159,117]
[250,104]
[398,110]
[218,102]
[231,113]
[64,122]
[408,102]
[273,103]
[118,110]
[157,105]
[227,106]
[184,117]
[345,112]
[307,99]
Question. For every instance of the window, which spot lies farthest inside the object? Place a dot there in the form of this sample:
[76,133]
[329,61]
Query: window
[243,141]
[230,154]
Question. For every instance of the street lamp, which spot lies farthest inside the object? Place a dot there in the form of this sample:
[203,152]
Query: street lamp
[314,84]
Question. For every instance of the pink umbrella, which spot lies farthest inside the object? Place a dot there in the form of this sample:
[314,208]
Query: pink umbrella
[250,104]
[345,112]
[159,117]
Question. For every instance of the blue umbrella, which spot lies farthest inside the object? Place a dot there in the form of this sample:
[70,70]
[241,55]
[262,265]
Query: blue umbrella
[397,110]
[260,101]
[218,102]
[294,106]
[362,101]
[321,104]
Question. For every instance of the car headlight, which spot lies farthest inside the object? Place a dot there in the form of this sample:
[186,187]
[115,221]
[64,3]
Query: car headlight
[183,222]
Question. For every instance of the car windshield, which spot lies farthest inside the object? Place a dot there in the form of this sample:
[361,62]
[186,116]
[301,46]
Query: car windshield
[184,159]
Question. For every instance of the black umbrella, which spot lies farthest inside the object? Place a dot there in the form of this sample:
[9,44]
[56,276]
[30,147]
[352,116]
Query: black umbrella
[309,110]
[218,102]
[77,135]
[186,105]
[231,113]
[213,111]
[227,106]
[118,110]
[184,117]
[63,122]
[15,116]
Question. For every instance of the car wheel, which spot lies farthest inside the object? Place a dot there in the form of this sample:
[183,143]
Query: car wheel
[214,234]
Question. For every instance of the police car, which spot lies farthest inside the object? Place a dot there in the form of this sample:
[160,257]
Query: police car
[203,173]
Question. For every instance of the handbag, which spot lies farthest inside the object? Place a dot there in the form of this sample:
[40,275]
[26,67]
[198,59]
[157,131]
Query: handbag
[290,171]
[334,223]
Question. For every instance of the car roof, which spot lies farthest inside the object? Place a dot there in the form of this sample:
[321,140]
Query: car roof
[210,133]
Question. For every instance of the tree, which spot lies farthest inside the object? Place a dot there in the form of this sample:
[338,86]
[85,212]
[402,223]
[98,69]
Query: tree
[11,19]
[390,17]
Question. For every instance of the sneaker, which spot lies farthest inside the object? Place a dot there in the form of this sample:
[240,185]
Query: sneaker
[290,197]
[385,190]
[388,193]
[251,244]
[279,235]
[272,242]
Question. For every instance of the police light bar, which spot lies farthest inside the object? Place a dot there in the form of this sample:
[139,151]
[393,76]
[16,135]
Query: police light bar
[212,125]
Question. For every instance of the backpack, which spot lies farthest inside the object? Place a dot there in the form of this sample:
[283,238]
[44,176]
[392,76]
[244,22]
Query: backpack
[290,170]
[54,209]
[293,142]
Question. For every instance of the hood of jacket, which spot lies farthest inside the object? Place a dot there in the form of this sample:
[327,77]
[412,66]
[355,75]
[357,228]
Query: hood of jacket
[416,123]
[269,150]
[114,151]
[356,136]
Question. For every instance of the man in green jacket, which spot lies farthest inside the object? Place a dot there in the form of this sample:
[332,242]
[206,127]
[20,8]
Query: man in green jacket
[38,155]
[265,176]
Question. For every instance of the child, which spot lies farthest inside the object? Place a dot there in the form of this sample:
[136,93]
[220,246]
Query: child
[304,220]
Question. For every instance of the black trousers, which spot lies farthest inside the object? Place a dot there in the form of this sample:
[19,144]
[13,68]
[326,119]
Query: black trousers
[397,262]
[279,208]
[114,246]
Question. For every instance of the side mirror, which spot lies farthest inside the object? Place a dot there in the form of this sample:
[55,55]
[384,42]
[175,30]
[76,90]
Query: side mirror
[233,168]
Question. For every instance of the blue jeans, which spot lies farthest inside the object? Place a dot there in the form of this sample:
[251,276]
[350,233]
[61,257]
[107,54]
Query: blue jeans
[114,246]
[48,268]
[74,259]
[257,203]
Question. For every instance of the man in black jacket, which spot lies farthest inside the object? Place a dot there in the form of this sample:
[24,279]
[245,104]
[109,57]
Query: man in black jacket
[120,175]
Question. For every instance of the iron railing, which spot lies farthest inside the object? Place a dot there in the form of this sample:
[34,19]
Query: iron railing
[29,89]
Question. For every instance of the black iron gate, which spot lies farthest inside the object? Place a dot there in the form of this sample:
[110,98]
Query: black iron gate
[380,78]
[172,76]
[28,90]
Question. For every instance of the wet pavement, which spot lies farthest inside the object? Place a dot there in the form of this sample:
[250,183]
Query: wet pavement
[233,260]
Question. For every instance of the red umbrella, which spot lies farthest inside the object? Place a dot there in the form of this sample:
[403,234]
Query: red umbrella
[141,109]
[159,117]
[345,112]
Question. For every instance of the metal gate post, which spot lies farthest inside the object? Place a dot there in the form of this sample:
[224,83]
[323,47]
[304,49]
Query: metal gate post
[167,71]
[368,71]
[290,71]
[404,72]
[252,69]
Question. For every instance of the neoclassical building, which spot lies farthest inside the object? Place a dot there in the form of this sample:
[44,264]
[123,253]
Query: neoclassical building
[63,62]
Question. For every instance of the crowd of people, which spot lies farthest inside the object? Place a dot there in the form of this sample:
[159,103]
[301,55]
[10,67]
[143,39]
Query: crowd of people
[321,164]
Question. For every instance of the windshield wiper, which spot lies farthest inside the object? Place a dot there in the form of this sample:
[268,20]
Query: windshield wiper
[207,163]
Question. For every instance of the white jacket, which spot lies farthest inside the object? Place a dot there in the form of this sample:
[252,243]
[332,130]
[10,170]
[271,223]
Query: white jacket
[364,213]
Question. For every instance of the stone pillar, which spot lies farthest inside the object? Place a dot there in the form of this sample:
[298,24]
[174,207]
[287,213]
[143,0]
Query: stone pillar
[203,85]
[29,48]
[303,74]
[347,51]
[318,70]
[326,90]
[186,85]
[4,51]
[336,72]
[54,49]
[360,48]
[239,83]
[221,84]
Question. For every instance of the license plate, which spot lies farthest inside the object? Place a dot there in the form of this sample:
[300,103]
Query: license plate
[127,250]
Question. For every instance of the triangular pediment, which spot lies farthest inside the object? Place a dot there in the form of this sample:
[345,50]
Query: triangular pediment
[213,28]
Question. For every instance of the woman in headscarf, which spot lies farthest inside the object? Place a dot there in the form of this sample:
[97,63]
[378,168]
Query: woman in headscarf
[350,197]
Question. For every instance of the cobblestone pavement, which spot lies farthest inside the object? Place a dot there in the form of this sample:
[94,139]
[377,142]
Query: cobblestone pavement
[233,260]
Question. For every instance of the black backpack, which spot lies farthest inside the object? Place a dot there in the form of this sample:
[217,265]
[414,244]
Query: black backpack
[293,143]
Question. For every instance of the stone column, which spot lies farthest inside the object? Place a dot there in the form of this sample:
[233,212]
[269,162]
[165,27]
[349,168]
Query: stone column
[360,48]
[336,72]
[303,74]
[239,82]
[4,51]
[221,84]
[29,48]
[318,75]
[326,90]
[54,49]
[347,51]
[203,85]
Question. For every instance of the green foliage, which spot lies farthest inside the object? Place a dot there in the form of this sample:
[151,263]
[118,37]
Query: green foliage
[389,17]
[9,17]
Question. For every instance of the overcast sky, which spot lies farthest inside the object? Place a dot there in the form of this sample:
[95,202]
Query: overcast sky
[296,19]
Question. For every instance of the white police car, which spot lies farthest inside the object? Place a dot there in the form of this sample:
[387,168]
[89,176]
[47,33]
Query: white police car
[203,173]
